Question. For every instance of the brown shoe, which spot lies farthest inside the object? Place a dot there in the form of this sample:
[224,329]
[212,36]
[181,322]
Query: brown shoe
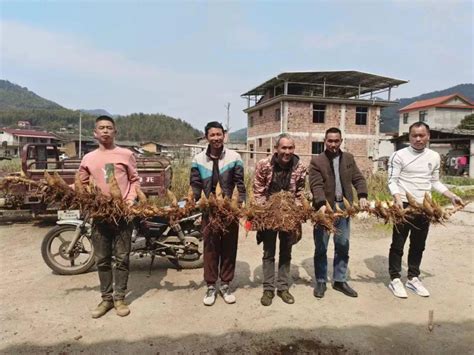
[267,298]
[286,296]
[121,308]
[102,308]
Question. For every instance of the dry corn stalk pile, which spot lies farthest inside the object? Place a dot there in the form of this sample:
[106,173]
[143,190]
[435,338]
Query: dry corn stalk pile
[281,212]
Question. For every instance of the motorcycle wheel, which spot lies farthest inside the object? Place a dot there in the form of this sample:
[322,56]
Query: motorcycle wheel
[53,250]
[193,261]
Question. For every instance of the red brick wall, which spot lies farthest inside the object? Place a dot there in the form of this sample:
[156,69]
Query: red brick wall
[266,123]
[350,122]
[300,119]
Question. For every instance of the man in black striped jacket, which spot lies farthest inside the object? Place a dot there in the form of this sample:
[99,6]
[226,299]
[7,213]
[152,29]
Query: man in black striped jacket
[218,164]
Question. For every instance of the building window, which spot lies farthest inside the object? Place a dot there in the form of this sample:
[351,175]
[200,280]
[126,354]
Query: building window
[405,118]
[260,112]
[251,149]
[422,116]
[251,121]
[277,114]
[260,142]
[318,113]
[361,115]
[317,147]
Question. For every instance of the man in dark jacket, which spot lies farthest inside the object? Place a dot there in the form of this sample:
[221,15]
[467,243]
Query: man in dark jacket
[224,166]
[283,171]
[331,177]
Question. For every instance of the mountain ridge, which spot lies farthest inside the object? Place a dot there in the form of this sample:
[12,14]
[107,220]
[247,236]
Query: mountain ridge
[17,103]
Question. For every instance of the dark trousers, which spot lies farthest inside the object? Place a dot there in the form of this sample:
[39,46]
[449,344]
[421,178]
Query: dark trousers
[220,253]
[417,227]
[268,260]
[110,240]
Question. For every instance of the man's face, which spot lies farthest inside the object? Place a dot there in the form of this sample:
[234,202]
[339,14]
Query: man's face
[419,137]
[333,142]
[215,137]
[285,150]
[105,132]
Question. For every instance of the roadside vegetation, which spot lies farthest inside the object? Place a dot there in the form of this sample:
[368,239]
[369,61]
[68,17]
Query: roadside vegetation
[10,166]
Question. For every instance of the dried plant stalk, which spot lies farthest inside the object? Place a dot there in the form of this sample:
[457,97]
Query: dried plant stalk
[281,212]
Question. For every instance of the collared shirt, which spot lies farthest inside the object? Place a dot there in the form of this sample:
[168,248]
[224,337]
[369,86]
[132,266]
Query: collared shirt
[338,193]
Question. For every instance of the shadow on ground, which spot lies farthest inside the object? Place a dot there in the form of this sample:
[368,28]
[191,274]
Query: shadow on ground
[399,338]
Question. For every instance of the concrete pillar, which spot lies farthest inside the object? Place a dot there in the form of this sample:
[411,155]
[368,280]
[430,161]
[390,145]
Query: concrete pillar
[342,124]
[471,159]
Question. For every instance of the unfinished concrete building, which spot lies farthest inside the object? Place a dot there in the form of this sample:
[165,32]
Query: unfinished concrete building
[305,104]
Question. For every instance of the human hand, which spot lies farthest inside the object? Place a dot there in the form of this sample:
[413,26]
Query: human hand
[398,201]
[363,203]
[456,200]
[322,209]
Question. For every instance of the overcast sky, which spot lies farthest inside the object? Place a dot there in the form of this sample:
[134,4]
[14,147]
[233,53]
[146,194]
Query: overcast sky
[188,59]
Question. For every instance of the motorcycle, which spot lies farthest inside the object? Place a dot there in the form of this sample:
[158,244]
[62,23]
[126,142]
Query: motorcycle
[68,250]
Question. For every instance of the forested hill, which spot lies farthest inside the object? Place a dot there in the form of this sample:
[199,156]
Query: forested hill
[155,127]
[15,97]
[18,103]
[390,115]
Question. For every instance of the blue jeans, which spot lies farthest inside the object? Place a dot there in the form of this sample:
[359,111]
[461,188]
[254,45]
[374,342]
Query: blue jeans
[341,250]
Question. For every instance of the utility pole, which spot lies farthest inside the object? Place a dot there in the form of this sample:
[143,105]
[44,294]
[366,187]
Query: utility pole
[227,106]
[80,134]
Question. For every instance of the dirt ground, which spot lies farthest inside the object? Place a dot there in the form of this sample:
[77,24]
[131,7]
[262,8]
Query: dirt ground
[46,313]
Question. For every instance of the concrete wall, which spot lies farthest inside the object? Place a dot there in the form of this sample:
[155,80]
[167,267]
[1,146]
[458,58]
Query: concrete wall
[436,118]
[414,116]
[386,148]
[456,101]
[448,117]
[7,137]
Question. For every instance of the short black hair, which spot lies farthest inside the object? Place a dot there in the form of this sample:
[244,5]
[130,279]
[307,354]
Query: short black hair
[105,118]
[417,125]
[213,124]
[332,130]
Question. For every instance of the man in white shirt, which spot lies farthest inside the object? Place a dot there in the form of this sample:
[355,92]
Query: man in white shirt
[414,169]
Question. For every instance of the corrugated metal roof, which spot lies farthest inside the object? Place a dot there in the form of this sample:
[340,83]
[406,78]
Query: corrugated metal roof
[350,78]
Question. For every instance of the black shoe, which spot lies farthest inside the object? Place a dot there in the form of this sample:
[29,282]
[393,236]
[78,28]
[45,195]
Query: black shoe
[344,288]
[319,290]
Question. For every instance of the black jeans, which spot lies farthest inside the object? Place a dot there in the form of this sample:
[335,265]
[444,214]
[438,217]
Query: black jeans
[110,240]
[417,227]
[284,260]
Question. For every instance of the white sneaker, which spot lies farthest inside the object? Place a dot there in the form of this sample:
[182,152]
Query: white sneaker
[227,294]
[210,296]
[416,286]
[396,286]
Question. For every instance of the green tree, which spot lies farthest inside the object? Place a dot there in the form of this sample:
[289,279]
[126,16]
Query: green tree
[467,122]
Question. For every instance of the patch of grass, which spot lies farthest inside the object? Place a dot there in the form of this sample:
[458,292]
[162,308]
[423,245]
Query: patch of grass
[457,180]
[466,195]
[378,186]
[180,181]
[10,166]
